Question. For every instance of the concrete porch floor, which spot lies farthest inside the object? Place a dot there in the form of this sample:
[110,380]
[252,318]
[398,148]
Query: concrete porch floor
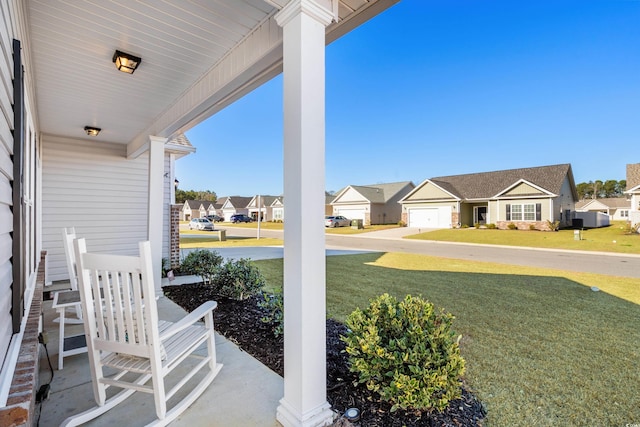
[245,392]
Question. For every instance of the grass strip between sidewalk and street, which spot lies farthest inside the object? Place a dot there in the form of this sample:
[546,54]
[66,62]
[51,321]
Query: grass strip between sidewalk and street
[606,239]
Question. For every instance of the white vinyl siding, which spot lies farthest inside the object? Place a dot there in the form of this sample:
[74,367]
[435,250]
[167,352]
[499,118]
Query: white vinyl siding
[6,176]
[13,26]
[96,189]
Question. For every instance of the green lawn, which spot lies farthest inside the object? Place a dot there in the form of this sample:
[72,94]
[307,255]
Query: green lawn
[366,229]
[606,239]
[542,348]
[212,241]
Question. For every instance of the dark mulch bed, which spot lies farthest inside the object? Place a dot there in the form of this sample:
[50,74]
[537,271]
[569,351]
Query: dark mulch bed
[239,321]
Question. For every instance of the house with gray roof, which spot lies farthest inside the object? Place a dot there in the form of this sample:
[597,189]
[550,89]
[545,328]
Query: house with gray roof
[633,192]
[525,197]
[264,207]
[235,205]
[196,209]
[373,204]
[616,207]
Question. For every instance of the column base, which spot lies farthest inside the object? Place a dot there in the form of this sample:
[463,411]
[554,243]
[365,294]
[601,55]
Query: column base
[318,417]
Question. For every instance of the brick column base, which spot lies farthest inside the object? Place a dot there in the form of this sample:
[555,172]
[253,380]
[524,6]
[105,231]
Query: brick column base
[21,402]
[174,236]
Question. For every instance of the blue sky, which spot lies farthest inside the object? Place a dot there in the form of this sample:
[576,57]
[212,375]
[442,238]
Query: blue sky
[446,87]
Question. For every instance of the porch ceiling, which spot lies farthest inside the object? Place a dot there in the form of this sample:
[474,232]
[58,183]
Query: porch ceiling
[198,56]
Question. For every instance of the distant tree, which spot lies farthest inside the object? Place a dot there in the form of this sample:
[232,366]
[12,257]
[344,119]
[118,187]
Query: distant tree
[183,195]
[584,190]
[622,186]
[609,188]
[599,190]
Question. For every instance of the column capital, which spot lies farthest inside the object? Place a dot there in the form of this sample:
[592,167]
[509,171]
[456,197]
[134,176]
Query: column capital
[312,8]
[153,138]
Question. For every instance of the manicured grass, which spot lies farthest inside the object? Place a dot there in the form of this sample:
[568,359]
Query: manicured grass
[213,242]
[366,229]
[338,230]
[541,347]
[263,225]
[606,239]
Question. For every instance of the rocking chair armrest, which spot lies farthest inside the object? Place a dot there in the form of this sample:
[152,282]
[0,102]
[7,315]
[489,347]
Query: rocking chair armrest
[189,319]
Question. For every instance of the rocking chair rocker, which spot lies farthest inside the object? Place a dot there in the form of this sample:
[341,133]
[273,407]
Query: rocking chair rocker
[124,334]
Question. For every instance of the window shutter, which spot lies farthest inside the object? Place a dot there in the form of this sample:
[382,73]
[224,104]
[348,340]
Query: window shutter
[508,212]
[538,211]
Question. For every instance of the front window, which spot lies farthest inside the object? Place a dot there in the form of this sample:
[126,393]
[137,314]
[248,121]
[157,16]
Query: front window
[529,212]
[524,212]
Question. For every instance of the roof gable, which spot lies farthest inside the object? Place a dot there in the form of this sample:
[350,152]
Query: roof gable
[196,204]
[377,193]
[264,201]
[236,202]
[523,188]
[428,190]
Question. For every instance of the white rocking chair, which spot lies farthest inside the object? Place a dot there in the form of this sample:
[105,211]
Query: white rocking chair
[124,334]
[68,301]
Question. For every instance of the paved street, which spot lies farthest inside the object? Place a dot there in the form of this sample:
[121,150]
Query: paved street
[392,241]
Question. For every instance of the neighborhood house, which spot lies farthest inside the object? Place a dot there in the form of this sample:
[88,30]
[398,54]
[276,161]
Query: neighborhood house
[373,204]
[525,197]
[633,192]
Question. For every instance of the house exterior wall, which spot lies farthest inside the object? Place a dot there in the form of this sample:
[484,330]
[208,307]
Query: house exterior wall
[96,189]
[19,363]
[498,213]
[379,214]
[6,193]
[392,210]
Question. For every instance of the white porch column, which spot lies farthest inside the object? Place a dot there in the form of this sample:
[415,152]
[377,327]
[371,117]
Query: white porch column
[155,205]
[305,401]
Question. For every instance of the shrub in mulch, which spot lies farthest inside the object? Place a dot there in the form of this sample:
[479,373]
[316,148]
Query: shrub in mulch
[239,321]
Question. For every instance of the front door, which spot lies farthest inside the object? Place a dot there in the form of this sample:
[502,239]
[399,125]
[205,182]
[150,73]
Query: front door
[480,215]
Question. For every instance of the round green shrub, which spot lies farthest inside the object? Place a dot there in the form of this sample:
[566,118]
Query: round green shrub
[406,352]
[512,226]
[202,262]
[238,279]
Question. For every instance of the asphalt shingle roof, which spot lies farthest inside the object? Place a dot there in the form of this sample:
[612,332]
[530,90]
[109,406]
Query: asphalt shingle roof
[380,193]
[488,184]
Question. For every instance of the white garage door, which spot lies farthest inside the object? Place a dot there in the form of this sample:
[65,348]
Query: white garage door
[352,213]
[430,217]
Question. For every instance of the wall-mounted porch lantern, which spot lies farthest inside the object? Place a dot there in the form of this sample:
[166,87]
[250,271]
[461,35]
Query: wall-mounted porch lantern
[126,62]
[92,131]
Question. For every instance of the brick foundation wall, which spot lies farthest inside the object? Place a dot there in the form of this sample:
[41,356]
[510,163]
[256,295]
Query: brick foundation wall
[21,402]
[174,236]
[523,225]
